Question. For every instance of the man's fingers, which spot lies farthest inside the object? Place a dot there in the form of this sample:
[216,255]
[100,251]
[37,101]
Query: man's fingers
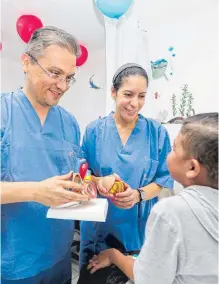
[65,200]
[70,184]
[73,196]
[67,176]
[61,201]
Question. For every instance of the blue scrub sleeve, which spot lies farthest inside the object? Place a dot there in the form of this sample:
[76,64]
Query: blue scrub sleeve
[162,176]
[88,149]
[89,141]
[4,114]
[84,145]
[5,123]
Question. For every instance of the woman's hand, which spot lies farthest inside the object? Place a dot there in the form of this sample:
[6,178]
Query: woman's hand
[103,259]
[102,190]
[126,199]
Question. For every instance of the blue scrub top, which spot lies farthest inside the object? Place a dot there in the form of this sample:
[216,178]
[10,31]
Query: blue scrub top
[29,152]
[140,162]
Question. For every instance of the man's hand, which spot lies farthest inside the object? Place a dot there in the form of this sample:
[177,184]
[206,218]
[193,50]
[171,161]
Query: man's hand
[53,191]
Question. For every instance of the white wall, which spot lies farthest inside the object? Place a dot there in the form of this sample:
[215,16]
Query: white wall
[191,28]
[12,76]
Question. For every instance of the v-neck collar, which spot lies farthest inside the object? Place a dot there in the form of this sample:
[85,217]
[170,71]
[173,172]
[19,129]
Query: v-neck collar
[128,147]
[27,104]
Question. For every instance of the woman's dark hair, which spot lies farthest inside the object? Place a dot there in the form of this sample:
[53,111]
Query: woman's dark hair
[127,70]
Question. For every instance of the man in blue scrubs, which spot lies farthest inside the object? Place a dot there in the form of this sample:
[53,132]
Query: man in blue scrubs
[39,149]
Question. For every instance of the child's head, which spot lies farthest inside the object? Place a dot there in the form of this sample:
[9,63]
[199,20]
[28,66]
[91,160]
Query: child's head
[194,157]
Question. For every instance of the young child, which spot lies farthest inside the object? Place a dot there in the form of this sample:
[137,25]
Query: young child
[182,231]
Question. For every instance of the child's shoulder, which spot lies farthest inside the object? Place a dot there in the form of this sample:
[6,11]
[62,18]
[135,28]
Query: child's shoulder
[172,211]
[173,207]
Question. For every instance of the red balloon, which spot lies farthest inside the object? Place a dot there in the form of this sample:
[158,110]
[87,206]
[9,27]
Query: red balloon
[0,46]
[26,25]
[83,57]
[83,170]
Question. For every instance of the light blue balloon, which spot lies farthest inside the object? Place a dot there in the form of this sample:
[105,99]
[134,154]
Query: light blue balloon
[113,8]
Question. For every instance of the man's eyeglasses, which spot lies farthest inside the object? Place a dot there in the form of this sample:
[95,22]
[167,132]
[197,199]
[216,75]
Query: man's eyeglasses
[56,77]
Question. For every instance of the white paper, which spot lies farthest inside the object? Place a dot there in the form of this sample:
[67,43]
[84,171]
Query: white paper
[93,210]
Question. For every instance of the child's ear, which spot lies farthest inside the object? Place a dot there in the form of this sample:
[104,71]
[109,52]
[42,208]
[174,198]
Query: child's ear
[193,169]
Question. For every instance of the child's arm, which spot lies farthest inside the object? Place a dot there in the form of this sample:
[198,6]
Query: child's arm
[157,261]
[123,262]
[112,256]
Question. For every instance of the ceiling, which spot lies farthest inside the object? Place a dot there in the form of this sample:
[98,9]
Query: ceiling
[79,17]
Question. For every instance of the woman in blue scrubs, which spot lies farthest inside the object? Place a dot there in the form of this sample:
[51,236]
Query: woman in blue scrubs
[39,148]
[135,148]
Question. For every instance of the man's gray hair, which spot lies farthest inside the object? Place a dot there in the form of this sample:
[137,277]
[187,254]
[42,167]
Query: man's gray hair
[48,35]
[201,142]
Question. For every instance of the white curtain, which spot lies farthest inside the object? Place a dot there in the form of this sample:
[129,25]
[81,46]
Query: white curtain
[126,42]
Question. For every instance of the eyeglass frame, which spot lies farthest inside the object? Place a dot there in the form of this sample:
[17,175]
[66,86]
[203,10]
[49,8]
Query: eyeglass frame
[59,78]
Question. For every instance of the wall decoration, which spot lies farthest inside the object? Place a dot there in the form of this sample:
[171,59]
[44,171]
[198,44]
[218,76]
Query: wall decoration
[92,85]
[181,107]
[185,106]
[26,25]
[113,8]
[174,105]
[156,95]
[159,68]
[83,57]
[172,54]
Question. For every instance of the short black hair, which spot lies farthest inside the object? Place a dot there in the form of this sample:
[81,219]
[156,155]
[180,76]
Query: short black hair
[201,141]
